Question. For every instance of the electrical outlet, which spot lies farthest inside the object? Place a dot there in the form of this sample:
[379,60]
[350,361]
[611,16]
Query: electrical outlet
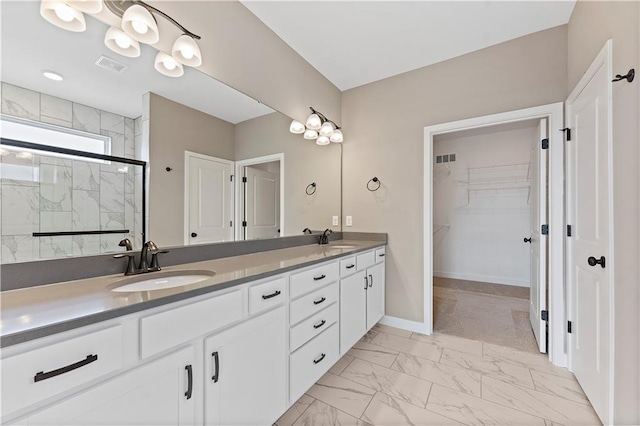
[335,222]
[349,220]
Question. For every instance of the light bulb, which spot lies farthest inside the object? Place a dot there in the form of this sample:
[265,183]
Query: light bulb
[187,52]
[326,129]
[170,63]
[296,127]
[139,27]
[336,137]
[314,122]
[64,12]
[123,41]
[167,65]
[310,134]
[322,140]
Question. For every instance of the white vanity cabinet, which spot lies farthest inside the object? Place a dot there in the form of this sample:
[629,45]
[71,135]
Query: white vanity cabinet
[246,372]
[161,392]
[362,296]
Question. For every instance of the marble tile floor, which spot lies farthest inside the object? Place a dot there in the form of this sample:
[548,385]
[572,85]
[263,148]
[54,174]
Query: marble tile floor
[490,313]
[396,377]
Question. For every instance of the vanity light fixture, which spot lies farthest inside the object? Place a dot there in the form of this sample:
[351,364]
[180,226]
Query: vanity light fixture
[138,24]
[318,127]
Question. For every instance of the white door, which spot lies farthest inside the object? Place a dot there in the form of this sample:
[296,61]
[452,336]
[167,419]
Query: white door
[162,392]
[209,199]
[538,241]
[589,215]
[375,294]
[262,204]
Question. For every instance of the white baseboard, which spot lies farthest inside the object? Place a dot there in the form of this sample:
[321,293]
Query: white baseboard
[404,324]
[481,278]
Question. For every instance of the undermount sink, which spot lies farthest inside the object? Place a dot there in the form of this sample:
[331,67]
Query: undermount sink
[161,280]
[341,246]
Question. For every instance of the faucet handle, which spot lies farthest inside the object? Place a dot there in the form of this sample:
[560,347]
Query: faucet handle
[151,246]
[126,243]
[155,265]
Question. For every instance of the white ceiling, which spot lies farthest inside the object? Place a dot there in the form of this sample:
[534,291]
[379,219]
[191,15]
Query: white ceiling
[357,42]
[31,45]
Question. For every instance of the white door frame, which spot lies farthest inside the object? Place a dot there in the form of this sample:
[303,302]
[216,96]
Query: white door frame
[187,156]
[238,195]
[554,114]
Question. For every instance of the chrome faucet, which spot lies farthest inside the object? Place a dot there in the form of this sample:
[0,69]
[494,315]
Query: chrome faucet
[324,239]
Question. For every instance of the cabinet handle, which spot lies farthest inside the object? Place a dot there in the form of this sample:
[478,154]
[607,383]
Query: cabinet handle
[269,296]
[216,363]
[189,369]
[370,280]
[350,266]
[366,282]
[49,374]
[320,324]
[320,277]
[317,302]
[316,361]
[381,255]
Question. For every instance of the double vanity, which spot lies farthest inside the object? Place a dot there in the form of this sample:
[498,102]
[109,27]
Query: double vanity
[235,340]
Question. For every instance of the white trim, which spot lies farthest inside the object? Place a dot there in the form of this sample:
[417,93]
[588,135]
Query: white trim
[238,191]
[187,156]
[554,114]
[404,324]
[482,278]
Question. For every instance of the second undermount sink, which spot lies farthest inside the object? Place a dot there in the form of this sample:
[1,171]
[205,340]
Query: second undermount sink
[161,280]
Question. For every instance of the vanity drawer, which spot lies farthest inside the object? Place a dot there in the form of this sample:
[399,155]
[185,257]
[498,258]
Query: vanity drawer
[54,369]
[311,361]
[311,327]
[364,260]
[312,279]
[380,253]
[314,302]
[347,266]
[170,328]
[267,295]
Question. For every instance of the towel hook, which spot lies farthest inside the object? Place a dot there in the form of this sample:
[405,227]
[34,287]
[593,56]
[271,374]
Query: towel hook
[311,188]
[374,180]
[628,76]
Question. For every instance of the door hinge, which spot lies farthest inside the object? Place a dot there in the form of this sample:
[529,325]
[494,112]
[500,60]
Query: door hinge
[545,143]
[569,326]
[568,131]
[244,223]
[544,315]
[568,230]
[545,230]
[244,179]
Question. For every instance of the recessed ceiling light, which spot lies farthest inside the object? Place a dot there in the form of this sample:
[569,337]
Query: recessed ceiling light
[53,76]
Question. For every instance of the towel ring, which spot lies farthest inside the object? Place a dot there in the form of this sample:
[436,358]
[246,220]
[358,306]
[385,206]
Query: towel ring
[374,180]
[311,188]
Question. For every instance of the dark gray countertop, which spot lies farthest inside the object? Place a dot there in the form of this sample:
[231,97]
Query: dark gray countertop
[34,312]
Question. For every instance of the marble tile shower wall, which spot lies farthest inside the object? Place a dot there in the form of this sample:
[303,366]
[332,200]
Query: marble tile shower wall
[42,193]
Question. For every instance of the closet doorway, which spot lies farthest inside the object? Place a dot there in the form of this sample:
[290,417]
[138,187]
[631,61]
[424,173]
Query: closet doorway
[489,256]
[492,199]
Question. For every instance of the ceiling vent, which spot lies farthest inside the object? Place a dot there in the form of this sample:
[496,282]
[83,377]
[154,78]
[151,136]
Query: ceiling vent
[111,64]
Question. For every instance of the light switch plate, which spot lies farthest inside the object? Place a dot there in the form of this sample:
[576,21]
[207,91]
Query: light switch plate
[349,220]
[335,221]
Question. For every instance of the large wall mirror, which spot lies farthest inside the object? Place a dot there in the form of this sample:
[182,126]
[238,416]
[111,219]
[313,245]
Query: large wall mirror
[220,165]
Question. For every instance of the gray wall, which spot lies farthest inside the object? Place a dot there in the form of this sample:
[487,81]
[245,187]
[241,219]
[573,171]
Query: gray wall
[385,122]
[304,162]
[591,25]
[174,128]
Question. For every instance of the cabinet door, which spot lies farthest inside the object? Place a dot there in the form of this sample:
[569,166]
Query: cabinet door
[375,294]
[161,392]
[353,310]
[246,372]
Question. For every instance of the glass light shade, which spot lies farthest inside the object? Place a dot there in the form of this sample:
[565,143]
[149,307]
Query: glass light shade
[186,50]
[86,6]
[167,65]
[296,127]
[336,137]
[138,22]
[62,15]
[313,122]
[310,134]
[322,140]
[121,43]
[327,129]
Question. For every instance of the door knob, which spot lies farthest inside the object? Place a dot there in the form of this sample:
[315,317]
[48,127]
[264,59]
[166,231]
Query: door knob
[527,240]
[593,261]
[193,235]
